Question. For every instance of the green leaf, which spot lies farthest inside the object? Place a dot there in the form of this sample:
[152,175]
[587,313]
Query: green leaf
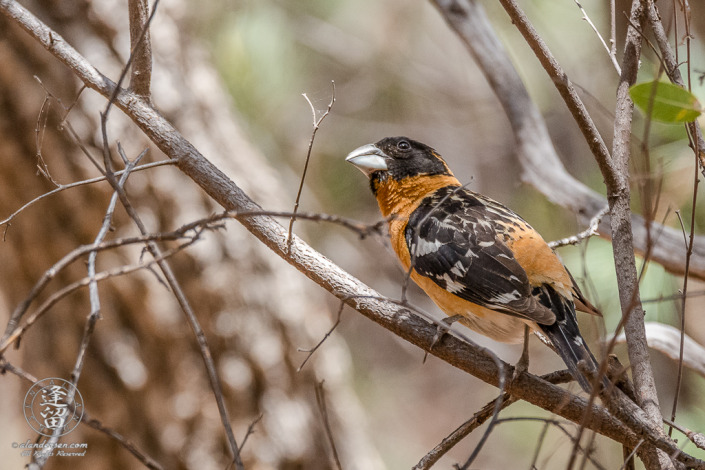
[668,102]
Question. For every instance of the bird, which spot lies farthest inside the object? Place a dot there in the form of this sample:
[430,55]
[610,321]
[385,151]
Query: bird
[474,257]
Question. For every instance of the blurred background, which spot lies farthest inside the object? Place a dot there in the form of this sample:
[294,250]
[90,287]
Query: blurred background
[230,76]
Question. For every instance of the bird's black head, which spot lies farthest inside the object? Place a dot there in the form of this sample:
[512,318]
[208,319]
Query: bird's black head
[397,158]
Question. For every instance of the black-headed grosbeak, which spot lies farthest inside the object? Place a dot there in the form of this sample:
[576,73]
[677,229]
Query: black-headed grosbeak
[473,256]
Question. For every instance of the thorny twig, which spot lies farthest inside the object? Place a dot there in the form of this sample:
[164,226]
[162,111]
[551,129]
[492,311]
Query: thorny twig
[316,125]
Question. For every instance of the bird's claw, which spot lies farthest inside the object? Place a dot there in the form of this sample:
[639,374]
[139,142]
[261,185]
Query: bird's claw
[522,364]
[441,329]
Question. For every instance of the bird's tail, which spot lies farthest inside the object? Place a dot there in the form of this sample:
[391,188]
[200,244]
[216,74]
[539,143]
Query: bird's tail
[566,337]
[572,349]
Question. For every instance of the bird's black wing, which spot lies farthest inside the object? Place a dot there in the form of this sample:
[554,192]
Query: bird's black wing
[453,239]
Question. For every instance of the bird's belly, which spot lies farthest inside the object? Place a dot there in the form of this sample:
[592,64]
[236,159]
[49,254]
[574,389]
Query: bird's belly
[498,326]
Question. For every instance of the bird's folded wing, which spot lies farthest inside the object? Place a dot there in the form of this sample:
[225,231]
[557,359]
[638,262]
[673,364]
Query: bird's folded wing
[453,241]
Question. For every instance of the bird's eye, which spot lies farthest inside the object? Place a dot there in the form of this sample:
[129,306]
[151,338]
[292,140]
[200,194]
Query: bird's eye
[403,145]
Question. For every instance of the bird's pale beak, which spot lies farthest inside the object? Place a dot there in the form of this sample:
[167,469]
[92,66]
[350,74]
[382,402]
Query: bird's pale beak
[368,159]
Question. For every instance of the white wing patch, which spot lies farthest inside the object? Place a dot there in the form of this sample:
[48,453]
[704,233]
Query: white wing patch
[424,247]
[506,297]
[452,285]
[459,269]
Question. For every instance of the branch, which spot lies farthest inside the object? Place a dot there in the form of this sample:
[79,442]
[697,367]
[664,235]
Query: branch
[469,358]
[618,194]
[666,339]
[141,78]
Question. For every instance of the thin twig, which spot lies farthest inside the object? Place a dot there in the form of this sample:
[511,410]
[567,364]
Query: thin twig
[130,446]
[185,305]
[316,125]
[684,291]
[587,233]
[64,187]
[16,333]
[696,438]
[321,401]
[539,445]
[629,458]
[613,57]
[479,418]
[248,433]
[312,350]
[39,131]
[181,233]
[93,296]
[671,64]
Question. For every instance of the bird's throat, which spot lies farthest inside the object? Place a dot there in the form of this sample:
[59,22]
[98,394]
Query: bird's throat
[400,198]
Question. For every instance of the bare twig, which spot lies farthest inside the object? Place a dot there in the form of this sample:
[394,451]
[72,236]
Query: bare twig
[39,139]
[63,187]
[94,298]
[617,181]
[671,63]
[479,418]
[16,333]
[629,458]
[181,233]
[696,438]
[316,125]
[587,233]
[613,57]
[312,350]
[130,446]
[248,433]
[178,293]
[321,401]
[561,425]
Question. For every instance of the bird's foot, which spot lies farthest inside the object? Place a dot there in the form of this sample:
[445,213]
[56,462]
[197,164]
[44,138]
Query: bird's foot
[522,364]
[441,329]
